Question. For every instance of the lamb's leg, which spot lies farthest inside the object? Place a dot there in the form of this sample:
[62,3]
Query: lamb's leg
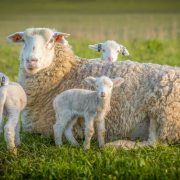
[101,132]
[2,101]
[89,131]
[59,127]
[69,133]
[17,135]
[9,130]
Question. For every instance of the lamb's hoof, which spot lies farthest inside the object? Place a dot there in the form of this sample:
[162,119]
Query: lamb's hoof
[13,151]
[86,147]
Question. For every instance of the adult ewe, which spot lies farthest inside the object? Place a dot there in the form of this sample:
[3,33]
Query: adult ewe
[149,98]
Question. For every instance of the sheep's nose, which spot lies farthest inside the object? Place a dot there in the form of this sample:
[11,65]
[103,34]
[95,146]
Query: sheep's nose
[103,94]
[32,63]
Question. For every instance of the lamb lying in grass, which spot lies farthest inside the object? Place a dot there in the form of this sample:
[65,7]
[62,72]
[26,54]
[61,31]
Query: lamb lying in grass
[12,102]
[93,106]
[110,50]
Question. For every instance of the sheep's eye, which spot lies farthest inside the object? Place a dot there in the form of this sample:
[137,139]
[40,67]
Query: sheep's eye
[51,40]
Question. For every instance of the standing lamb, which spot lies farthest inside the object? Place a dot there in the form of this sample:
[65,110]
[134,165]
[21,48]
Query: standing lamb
[151,93]
[93,106]
[12,102]
[110,50]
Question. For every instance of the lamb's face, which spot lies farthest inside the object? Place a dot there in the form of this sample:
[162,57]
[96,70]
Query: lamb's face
[4,80]
[38,50]
[104,87]
[110,50]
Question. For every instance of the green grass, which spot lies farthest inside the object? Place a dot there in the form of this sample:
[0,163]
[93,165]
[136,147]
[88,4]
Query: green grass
[38,158]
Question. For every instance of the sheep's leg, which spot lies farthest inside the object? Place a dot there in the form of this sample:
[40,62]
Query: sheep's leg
[17,135]
[59,127]
[2,101]
[89,131]
[152,132]
[9,130]
[101,132]
[126,144]
[26,122]
[69,133]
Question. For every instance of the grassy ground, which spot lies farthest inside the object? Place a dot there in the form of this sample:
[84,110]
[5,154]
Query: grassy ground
[151,32]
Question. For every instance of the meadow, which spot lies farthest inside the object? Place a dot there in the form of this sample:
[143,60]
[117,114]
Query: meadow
[150,31]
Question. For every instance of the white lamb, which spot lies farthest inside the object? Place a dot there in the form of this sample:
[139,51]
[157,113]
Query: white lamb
[12,101]
[93,106]
[110,50]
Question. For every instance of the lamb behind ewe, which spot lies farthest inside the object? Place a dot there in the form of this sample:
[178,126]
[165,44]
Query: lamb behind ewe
[12,102]
[149,98]
[93,106]
[110,50]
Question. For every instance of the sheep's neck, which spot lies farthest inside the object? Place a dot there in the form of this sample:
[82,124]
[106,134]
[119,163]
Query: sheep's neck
[104,103]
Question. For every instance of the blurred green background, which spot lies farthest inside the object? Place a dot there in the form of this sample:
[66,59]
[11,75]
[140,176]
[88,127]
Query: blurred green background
[149,29]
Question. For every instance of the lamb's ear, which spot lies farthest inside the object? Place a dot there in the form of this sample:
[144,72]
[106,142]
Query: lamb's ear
[59,36]
[90,80]
[16,37]
[117,81]
[124,50]
[97,47]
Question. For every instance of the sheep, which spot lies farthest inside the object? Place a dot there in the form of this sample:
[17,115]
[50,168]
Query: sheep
[12,101]
[93,106]
[150,95]
[110,50]
[4,80]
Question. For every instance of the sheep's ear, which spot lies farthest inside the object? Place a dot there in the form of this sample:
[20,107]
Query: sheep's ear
[16,37]
[90,80]
[97,47]
[60,36]
[117,81]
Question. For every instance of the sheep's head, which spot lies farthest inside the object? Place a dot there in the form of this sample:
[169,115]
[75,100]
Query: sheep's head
[4,80]
[38,50]
[110,50]
[104,85]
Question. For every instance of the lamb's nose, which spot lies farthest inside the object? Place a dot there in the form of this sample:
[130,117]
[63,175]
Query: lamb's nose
[103,94]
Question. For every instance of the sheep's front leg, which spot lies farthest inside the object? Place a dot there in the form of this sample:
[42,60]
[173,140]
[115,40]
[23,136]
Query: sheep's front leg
[101,132]
[9,130]
[2,101]
[153,132]
[89,131]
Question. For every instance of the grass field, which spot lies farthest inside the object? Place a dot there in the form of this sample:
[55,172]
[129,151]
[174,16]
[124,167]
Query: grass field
[151,32]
